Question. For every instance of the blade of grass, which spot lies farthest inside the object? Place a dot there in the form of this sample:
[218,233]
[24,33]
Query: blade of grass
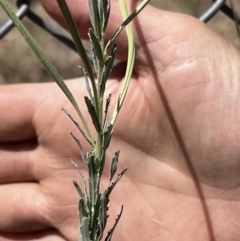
[125,23]
[130,64]
[45,61]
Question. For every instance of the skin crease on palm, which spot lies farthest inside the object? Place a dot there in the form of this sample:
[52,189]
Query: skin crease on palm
[178,132]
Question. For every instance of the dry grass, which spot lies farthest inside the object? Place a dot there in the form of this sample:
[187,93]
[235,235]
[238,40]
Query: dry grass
[18,63]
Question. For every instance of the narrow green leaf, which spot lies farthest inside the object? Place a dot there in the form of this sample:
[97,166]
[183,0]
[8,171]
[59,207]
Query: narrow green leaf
[127,78]
[94,16]
[106,13]
[82,152]
[108,135]
[93,114]
[101,17]
[130,61]
[96,46]
[113,184]
[79,190]
[96,50]
[88,85]
[107,68]
[110,233]
[82,178]
[93,178]
[85,230]
[102,163]
[94,218]
[114,164]
[95,60]
[83,209]
[92,13]
[78,126]
[105,121]
[103,212]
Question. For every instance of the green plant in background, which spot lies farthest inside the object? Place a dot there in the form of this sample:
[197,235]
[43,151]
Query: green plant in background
[93,204]
[194,6]
[191,2]
[232,5]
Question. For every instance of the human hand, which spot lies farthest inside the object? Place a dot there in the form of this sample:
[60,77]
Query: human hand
[178,135]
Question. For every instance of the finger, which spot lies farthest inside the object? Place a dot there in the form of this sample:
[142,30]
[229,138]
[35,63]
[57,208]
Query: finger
[17,109]
[17,132]
[17,161]
[21,127]
[20,104]
[20,208]
[48,235]
[29,207]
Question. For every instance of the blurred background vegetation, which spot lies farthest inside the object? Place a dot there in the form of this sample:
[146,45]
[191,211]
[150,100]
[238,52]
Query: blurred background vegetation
[19,64]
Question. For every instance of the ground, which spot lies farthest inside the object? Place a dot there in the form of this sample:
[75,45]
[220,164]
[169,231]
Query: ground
[18,63]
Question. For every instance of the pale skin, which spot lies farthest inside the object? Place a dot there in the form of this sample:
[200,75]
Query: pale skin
[178,133]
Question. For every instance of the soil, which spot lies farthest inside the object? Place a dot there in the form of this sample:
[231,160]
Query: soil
[19,64]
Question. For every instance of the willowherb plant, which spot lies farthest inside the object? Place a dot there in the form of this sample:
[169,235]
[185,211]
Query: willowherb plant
[93,204]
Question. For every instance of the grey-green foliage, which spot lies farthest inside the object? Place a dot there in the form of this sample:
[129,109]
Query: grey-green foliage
[92,203]
[93,206]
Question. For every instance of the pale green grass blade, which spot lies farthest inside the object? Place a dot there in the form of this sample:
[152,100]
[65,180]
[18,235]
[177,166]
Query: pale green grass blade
[125,23]
[45,61]
[130,63]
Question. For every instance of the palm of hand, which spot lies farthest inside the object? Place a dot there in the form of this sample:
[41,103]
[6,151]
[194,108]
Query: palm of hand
[174,138]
